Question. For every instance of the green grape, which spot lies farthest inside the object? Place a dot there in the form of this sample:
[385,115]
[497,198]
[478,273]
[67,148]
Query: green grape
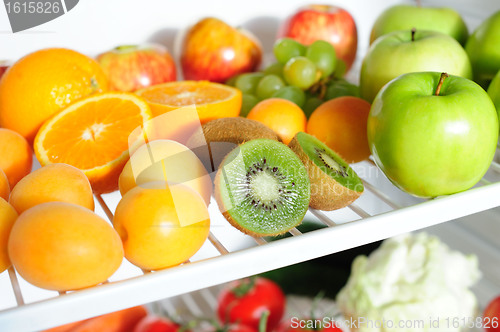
[300,72]
[232,81]
[340,88]
[275,69]
[268,85]
[287,48]
[310,105]
[247,103]
[340,69]
[322,54]
[291,93]
[247,83]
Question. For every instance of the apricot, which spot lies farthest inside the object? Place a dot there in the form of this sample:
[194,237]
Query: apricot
[52,183]
[4,186]
[281,115]
[7,218]
[166,160]
[341,123]
[16,156]
[161,225]
[62,246]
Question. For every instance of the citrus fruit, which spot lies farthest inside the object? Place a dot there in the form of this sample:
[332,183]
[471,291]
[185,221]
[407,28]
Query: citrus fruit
[161,225]
[16,156]
[52,183]
[44,82]
[4,186]
[7,218]
[212,100]
[62,246]
[166,160]
[341,124]
[281,115]
[93,134]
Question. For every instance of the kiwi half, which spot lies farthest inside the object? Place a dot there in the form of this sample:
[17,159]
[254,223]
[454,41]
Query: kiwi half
[234,130]
[334,184]
[262,188]
[218,137]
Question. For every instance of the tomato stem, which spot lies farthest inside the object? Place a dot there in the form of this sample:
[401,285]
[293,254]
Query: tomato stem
[244,287]
[440,84]
[263,321]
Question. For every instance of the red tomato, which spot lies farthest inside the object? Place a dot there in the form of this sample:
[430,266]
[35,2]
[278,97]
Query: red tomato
[491,317]
[245,301]
[306,324]
[156,324]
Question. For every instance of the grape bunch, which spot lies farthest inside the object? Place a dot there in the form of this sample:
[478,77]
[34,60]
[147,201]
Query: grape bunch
[305,75]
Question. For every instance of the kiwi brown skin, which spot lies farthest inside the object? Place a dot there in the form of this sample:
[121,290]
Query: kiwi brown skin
[326,193]
[235,130]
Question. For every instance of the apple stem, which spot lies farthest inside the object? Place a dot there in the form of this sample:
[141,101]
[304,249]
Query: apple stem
[419,4]
[440,84]
[413,31]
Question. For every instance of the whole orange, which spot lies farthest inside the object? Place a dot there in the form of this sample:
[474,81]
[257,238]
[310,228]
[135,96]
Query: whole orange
[52,183]
[62,246]
[341,124]
[4,186]
[16,156]
[42,83]
[7,218]
[161,225]
[281,115]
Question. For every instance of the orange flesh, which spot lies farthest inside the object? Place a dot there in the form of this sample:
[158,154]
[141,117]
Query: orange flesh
[95,136]
[183,95]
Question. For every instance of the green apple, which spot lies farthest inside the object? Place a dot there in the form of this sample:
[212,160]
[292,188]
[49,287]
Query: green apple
[494,92]
[406,17]
[483,48]
[406,51]
[433,135]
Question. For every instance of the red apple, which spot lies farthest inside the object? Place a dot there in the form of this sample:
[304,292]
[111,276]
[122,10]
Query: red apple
[132,67]
[3,67]
[213,50]
[325,22]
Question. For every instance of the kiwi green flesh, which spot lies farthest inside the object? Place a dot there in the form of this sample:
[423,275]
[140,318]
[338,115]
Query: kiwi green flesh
[329,162]
[263,188]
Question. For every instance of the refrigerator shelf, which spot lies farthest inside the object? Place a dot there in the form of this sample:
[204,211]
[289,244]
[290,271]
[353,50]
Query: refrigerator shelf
[382,211]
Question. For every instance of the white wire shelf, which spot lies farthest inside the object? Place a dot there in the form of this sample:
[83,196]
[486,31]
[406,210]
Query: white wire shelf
[381,212]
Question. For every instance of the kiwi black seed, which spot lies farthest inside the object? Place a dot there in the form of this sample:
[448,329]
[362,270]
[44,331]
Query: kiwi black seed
[262,188]
[334,184]
[216,138]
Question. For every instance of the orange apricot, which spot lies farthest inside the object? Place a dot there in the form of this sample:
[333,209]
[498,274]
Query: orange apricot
[341,124]
[281,115]
[16,156]
[62,246]
[52,183]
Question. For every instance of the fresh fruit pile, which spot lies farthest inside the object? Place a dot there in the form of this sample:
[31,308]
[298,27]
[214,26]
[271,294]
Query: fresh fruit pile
[428,126]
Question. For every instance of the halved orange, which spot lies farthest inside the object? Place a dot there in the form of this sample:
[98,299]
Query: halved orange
[93,135]
[212,100]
